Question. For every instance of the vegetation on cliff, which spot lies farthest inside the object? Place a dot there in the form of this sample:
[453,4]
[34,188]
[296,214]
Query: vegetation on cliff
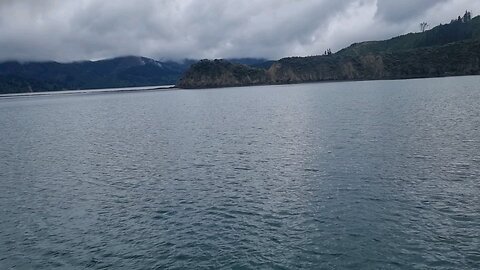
[446,50]
[221,73]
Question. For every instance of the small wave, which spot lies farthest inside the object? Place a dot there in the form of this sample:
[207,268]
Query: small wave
[200,165]
[462,165]
[242,168]
[421,157]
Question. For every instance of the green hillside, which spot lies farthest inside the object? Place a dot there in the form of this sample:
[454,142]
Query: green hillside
[446,50]
[457,30]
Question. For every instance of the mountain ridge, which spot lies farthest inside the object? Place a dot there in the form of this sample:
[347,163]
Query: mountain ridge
[125,71]
[446,50]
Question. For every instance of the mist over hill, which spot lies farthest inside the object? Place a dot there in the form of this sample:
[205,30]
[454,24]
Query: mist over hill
[446,50]
[118,72]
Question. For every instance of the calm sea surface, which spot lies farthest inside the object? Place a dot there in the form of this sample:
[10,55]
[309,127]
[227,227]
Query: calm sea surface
[357,175]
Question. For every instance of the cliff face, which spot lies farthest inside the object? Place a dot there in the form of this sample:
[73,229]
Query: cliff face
[446,50]
[460,58]
[221,73]
[327,68]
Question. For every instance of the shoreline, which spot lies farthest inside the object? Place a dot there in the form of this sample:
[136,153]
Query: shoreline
[326,81]
[91,91]
[174,87]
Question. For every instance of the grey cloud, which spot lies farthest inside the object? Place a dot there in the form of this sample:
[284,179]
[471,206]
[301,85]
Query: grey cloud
[66,30]
[400,11]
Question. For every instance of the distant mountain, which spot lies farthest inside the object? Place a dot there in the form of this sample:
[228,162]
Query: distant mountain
[128,71]
[446,50]
[118,72]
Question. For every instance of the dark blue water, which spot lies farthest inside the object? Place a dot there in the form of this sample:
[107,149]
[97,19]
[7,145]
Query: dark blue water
[360,175]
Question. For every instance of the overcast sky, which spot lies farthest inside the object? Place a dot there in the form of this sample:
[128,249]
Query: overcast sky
[66,30]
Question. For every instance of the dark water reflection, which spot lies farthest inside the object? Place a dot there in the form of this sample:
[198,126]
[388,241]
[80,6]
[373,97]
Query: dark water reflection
[359,175]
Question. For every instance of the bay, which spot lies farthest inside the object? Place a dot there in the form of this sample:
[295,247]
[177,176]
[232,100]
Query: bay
[358,175]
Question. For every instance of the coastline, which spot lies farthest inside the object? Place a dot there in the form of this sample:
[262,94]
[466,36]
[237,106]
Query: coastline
[174,87]
[325,81]
[91,91]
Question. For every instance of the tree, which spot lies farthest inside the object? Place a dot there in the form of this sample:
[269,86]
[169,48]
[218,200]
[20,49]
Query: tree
[424,26]
[467,17]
